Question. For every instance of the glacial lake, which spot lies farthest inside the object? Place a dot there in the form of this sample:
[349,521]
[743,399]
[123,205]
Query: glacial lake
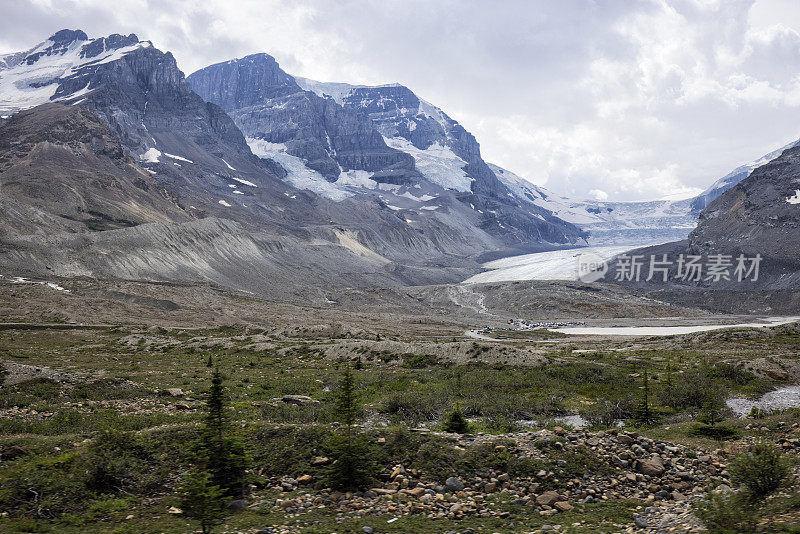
[669,330]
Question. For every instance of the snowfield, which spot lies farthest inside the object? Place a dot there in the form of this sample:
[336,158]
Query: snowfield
[298,175]
[437,163]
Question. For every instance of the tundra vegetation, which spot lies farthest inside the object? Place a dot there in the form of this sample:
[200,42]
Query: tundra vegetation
[236,429]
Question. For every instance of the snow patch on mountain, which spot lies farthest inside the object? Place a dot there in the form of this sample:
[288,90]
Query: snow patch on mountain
[179,158]
[437,163]
[356,178]
[151,155]
[298,175]
[243,181]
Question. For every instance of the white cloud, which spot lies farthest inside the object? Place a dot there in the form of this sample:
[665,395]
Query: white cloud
[637,100]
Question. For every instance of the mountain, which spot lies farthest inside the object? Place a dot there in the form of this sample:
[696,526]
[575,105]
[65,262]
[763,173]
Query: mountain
[345,147]
[759,215]
[609,223]
[62,169]
[734,177]
[111,166]
[757,218]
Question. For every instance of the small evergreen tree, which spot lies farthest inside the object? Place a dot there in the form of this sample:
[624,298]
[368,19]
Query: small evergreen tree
[354,464]
[359,364]
[201,499]
[643,413]
[210,362]
[221,449]
[3,373]
[712,411]
[669,374]
[455,421]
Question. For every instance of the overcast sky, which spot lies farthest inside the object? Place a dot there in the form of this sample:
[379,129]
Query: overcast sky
[620,99]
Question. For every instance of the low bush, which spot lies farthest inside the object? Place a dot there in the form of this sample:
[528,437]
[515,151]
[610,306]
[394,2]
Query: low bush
[729,513]
[112,462]
[419,361]
[718,432]
[761,471]
[455,421]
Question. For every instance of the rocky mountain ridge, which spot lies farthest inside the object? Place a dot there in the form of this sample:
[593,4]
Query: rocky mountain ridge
[343,148]
[206,208]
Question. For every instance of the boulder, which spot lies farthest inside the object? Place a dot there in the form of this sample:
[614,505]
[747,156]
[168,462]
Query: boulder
[562,506]
[15,451]
[454,484]
[237,504]
[416,492]
[651,467]
[548,498]
[298,400]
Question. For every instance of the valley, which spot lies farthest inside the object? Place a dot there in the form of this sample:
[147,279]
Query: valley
[145,375]
[244,301]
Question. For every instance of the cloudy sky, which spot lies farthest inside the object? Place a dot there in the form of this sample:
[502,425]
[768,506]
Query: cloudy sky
[623,99]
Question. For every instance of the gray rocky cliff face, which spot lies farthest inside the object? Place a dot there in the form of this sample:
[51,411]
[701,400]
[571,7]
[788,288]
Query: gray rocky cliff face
[759,215]
[267,104]
[62,169]
[398,112]
[360,130]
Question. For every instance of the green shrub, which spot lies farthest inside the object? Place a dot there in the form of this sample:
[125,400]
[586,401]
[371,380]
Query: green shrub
[495,425]
[605,412]
[112,462]
[411,406]
[42,487]
[219,445]
[201,499]
[718,432]
[419,361]
[354,467]
[731,373]
[455,421]
[729,513]
[354,463]
[107,388]
[761,471]
[691,389]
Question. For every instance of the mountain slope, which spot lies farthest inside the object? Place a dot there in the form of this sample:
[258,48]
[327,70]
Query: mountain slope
[757,218]
[734,177]
[340,149]
[132,114]
[61,168]
[759,215]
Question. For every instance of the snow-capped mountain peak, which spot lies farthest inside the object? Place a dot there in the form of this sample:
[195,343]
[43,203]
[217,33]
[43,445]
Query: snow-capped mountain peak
[33,77]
